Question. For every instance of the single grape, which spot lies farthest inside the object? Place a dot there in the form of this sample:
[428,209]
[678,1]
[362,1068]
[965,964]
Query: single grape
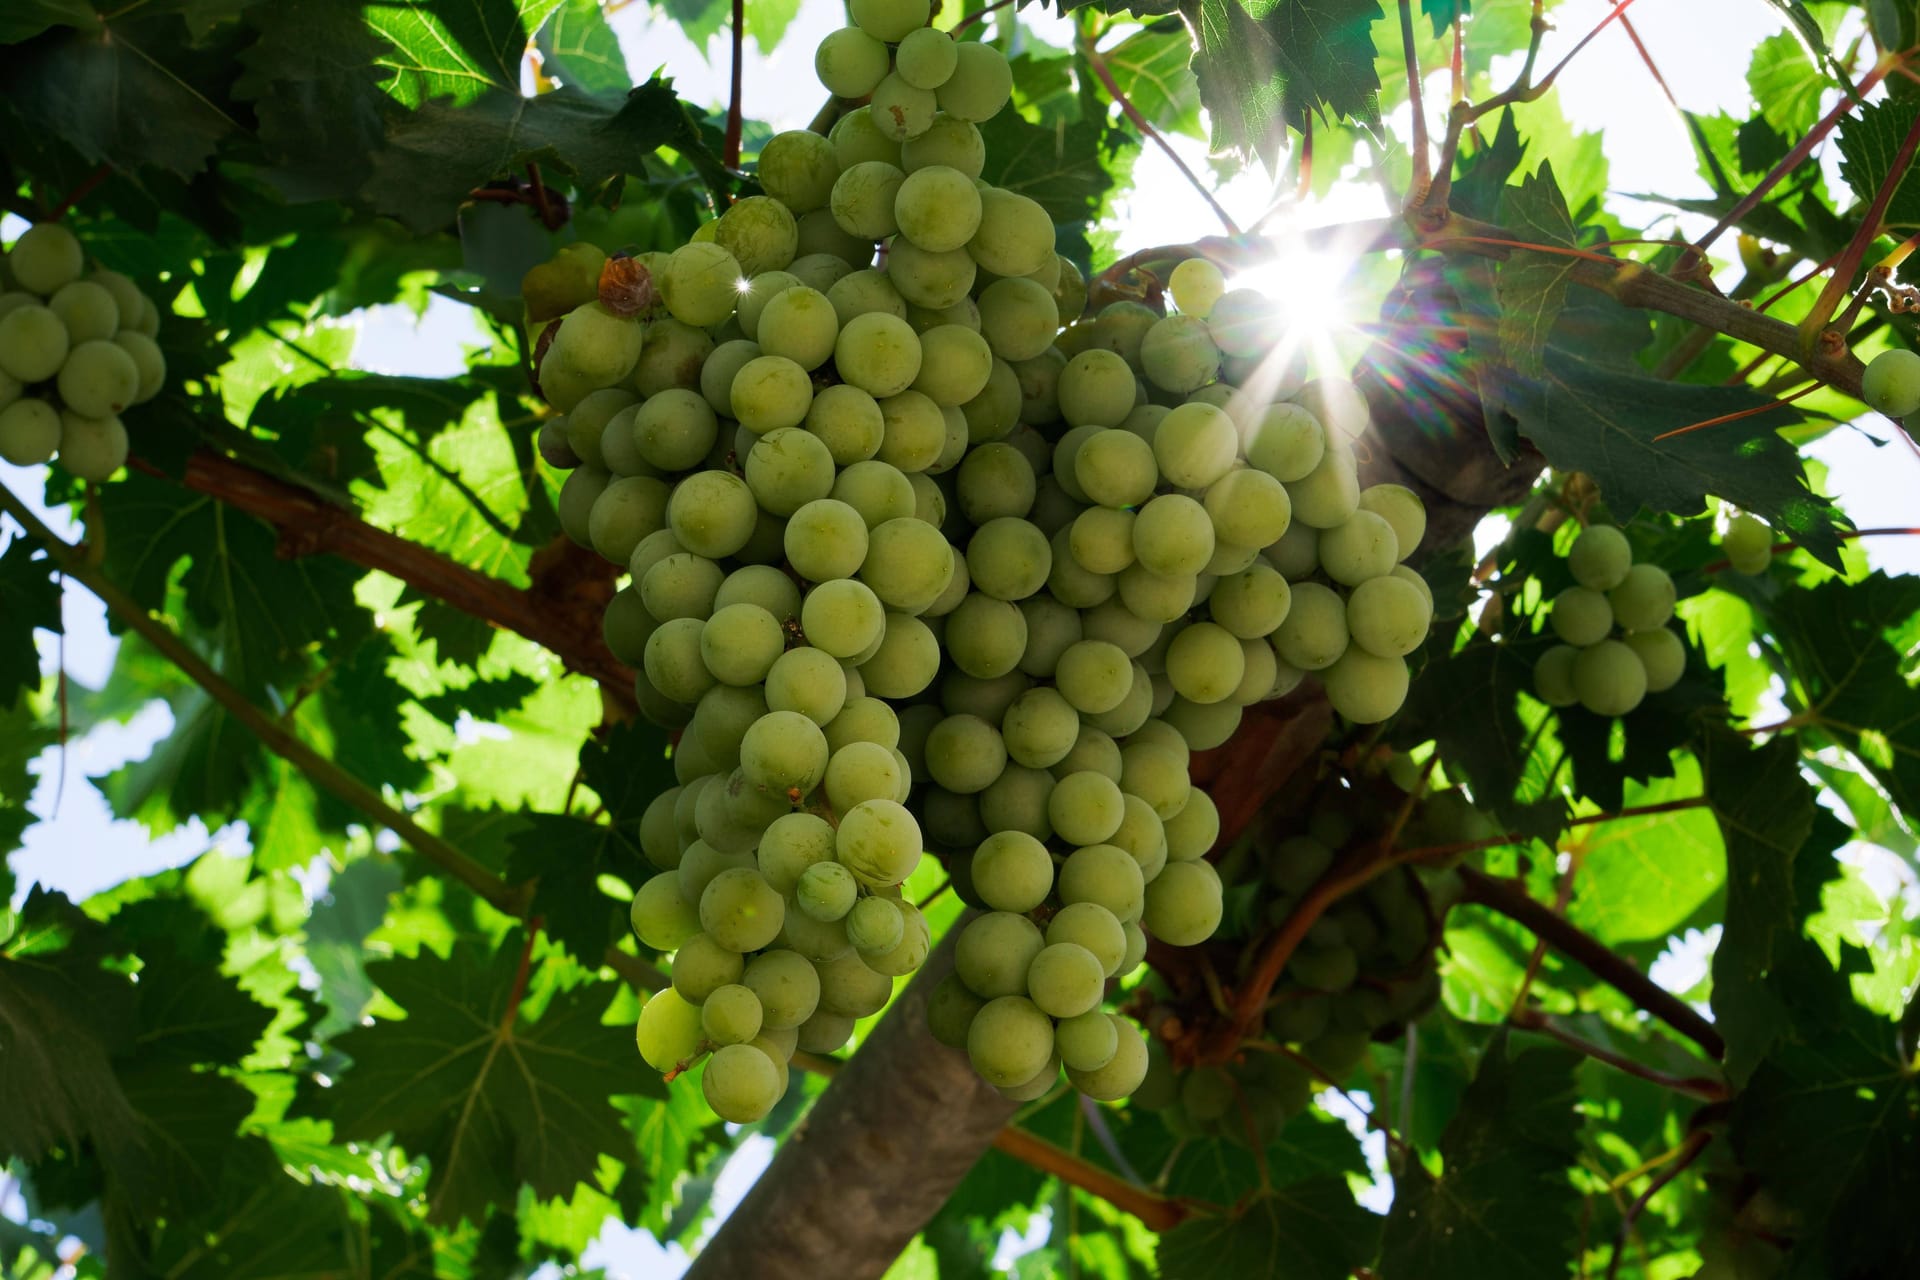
[1330,493]
[712,513]
[1123,1072]
[980,84]
[937,208]
[1360,548]
[792,843]
[1609,678]
[92,448]
[1184,903]
[1191,833]
[1254,602]
[1010,1041]
[45,257]
[1287,443]
[879,841]
[964,754]
[1249,510]
[731,1015]
[797,168]
[668,1032]
[905,661]
[740,910]
[786,986]
[1196,285]
[770,392]
[1177,354]
[1749,544]
[1065,980]
[1008,558]
[702,966]
[1581,616]
[1040,728]
[740,642]
[1644,599]
[800,324]
[826,891]
[878,491]
[1662,653]
[29,432]
[1600,557]
[88,311]
[1015,234]
[671,355]
[1364,688]
[741,1083]
[1086,808]
[850,62]
[1891,384]
[784,751]
[33,343]
[1553,676]
[661,916]
[1018,318]
[948,141]
[1205,662]
[1388,617]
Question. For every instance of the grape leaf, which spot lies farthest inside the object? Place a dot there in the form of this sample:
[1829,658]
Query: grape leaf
[578,47]
[311,81]
[1503,1203]
[457,50]
[1604,421]
[1830,1121]
[1154,70]
[29,601]
[490,1095]
[25,19]
[136,99]
[1067,170]
[1310,1229]
[1444,13]
[1641,878]
[1859,687]
[1785,85]
[1533,286]
[1870,142]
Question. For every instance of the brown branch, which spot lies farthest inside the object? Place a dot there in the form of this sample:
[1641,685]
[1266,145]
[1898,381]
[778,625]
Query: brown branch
[1422,162]
[520,975]
[1145,126]
[1570,941]
[1841,281]
[1157,1211]
[1653,69]
[730,154]
[1705,1088]
[81,191]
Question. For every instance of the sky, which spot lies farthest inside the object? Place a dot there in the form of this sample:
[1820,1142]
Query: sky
[1702,45]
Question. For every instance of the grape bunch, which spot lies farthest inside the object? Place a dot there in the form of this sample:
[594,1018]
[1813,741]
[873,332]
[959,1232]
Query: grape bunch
[910,568]
[1365,968]
[1609,675]
[74,353]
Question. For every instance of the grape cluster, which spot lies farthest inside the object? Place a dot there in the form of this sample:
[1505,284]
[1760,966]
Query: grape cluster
[912,568]
[1609,675]
[74,353]
[1364,969]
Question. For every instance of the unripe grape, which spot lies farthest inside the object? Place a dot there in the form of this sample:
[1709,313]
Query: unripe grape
[1662,654]
[850,62]
[1891,384]
[948,141]
[1178,354]
[88,311]
[1388,617]
[797,168]
[760,233]
[1609,678]
[1400,507]
[1184,903]
[1581,616]
[1015,234]
[1009,1041]
[147,358]
[741,1083]
[1749,544]
[1123,1072]
[901,111]
[29,432]
[1196,284]
[1644,599]
[33,343]
[1364,688]
[1553,676]
[92,448]
[1600,557]
[46,257]
[980,85]
[668,1032]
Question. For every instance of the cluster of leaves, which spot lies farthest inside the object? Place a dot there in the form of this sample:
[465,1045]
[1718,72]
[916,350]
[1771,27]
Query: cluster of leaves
[318,1057]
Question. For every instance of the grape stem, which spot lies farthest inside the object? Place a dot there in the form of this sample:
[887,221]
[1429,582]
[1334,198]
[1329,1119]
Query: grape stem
[1688,1152]
[1422,161]
[1105,75]
[1705,1088]
[730,155]
[519,991]
[1158,1212]
[81,191]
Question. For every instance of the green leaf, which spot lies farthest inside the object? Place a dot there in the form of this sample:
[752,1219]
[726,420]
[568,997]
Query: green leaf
[491,1096]
[134,96]
[1641,878]
[1829,1122]
[29,601]
[1785,84]
[1443,13]
[1533,286]
[435,156]
[1503,1203]
[457,50]
[1154,69]
[1310,1229]
[25,19]
[1066,169]
[316,95]
[578,47]
[1766,813]
[1839,639]
[1870,142]
[1604,421]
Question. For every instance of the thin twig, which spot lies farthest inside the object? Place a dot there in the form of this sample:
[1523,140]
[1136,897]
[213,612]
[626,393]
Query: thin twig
[977,16]
[1157,1211]
[1724,418]
[730,154]
[1869,230]
[1422,162]
[1703,1087]
[1145,126]
[81,191]
[1689,1152]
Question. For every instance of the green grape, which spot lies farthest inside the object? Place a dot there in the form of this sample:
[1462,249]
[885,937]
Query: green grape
[1644,599]
[874,926]
[1662,654]
[668,1032]
[1018,318]
[807,681]
[848,421]
[674,428]
[1205,662]
[910,951]
[33,344]
[784,751]
[88,311]
[863,771]
[879,841]
[763,585]
[877,491]
[913,432]
[1173,536]
[1184,903]
[716,380]
[1065,980]
[712,513]
[953,448]
[821,270]
[786,986]
[671,355]
[626,511]
[1314,633]
[619,450]
[825,540]
[955,364]
[1401,508]
[740,910]
[1156,597]
[731,1015]
[1323,968]
[681,585]
[787,469]
[661,917]
[965,754]
[792,843]
[986,637]
[800,324]
[1191,833]
[1581,616]
[1087,1041]
[1010,1041]
[1287,443]
[950,1011]
[1553,676]
[1297,554]
[996,481]
[1360,548]
[848,986]
[770,392]
[700,286]
[826,891]
[937,208]
[797,167]
[1155,775]
[1094,676]
[92,448]
[849,62]
[1133,710]
[926,58]
[1143,835]
[1749,545]
[46,257]
[1196,285]
[948,141]
[1388,617]
[551,442]
[1052,628]
[1070,584]
[1177,354]
[995,412]
[1116,468]
[861,292]
[1609,678]
[148,324]
[906,659]
[1122,1074]
[1096,389]
[1015,234]
[29,432]
[1248,509]
[702,966]
[878,353]
[741,1083]
[1600,557]
[1328,495]
[1008,558]
[1105,875]
[864,198]
[1040,728]
[1161,734]
[929,279]
[1891,384]
[587,423]
[1253,602]
[1195,445]
[889,20]
[994,953]
[857,139]
[759,291]
[1017,801]
[1364,688]
[980,84]
[1012,872]
[740,643]
[1086,808]
[760,233]
[864,720]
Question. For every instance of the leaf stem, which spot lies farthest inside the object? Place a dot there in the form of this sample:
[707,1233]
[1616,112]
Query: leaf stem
[1158,1212]
[1145,126]
[1569,940]
[1703,1087]
[730,154]
[1689,1152]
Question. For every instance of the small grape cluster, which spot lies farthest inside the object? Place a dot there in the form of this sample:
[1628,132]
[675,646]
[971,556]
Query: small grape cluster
[1365,968]
[74,353]
[1610,675]
[912,568]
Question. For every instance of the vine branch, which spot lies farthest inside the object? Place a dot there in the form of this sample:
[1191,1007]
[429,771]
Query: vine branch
[1145,126]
